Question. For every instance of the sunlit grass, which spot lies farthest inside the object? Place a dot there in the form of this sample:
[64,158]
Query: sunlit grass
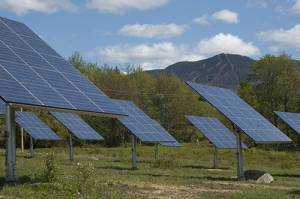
[178,171]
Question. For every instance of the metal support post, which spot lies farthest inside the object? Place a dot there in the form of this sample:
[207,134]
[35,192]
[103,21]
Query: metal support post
[156,151]
[215,158]
[133,152]
[10,153]
[71,147]
[239,153]
[22,137]
[31,147]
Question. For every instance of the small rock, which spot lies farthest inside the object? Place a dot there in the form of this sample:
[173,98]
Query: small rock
[266,178]
[258,176]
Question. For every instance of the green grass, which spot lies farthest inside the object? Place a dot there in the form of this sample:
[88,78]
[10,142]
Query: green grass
[99,172]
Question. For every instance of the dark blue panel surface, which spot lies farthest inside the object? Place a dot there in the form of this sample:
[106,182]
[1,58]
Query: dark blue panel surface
[17,27]
[215,132]
[291,119]
[35,127]
[241,114]
[77,126]
[31,72]
[141,125]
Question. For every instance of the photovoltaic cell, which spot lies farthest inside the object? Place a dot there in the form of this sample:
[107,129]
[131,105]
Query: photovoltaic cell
[77,126]
[35,127]
[141,125]
[215,132]
[291,119]
[241,114]
[32,73]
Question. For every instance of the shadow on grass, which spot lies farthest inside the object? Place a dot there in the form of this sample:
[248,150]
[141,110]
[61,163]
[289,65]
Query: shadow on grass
[115,168]
[217,178]
[21,180]
[285,175]
[295,192]
[146,161]
[203,167]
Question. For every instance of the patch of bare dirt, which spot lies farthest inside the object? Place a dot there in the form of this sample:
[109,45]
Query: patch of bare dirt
[186,192]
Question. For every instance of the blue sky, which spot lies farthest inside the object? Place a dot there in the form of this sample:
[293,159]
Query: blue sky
[157,33]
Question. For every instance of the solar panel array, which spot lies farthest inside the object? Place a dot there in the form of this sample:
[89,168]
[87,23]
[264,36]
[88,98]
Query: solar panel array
[35,127]
[215,132]
[171,144]
[241,114]
[141,125]
[77,126]
[32,73]
[291,119]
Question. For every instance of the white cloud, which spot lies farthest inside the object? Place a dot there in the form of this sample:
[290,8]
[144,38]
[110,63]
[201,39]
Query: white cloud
[226,43]
[160,55]
[201,20]
[147,56]
[121,6]
[153,30]
[296,6]
[281,38]
[226,16]
[22,7]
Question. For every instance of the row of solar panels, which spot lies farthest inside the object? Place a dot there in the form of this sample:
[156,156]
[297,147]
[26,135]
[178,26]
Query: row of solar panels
[211,128]
[141,125]
[33,74]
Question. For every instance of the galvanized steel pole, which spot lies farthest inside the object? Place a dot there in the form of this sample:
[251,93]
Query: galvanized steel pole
[133,152]
[71,147]
[10,153]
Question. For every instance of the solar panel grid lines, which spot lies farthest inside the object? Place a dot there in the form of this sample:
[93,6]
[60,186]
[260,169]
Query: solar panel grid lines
[291,119]
[57,75]
[35,127]
[42,88]
[45,78]
[141,125]
[241,114]
[216,132]
[77,126]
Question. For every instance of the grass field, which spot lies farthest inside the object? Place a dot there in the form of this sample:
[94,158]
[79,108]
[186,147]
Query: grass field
[185,172]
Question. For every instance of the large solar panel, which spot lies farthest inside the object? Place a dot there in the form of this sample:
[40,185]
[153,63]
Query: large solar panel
[141,125]
[291,119]
[77,126]
[241,114]
[32,73]
[35,127]
[220,136]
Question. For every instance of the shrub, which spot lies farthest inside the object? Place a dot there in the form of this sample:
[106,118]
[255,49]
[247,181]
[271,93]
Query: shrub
[50,171]
[85,172]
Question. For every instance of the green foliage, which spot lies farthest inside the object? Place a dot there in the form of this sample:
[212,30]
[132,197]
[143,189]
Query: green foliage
[275,85]
[85,172]
[50,171]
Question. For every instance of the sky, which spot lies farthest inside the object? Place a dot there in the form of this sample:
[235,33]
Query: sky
[154,34]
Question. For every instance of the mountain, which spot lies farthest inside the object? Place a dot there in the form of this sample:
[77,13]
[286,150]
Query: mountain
[224,70]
